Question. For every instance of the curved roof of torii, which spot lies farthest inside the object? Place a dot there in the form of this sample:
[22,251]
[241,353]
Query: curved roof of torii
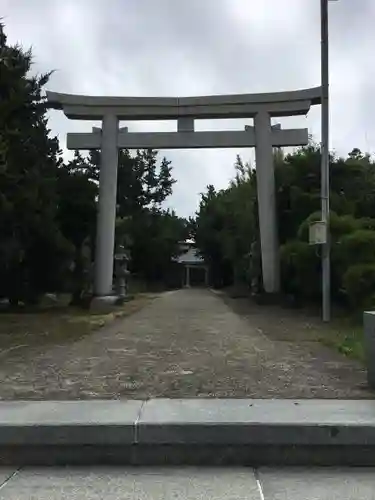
[168,108]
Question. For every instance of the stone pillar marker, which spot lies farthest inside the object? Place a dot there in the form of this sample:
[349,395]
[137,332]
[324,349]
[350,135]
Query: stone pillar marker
[267,202]
[105,233]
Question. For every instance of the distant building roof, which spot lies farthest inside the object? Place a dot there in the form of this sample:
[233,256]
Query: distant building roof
[188,242]
[190,257]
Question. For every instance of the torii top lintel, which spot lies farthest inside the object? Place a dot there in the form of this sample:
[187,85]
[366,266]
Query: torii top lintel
[81,107]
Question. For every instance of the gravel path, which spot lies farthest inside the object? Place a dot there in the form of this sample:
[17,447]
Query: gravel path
[186,343]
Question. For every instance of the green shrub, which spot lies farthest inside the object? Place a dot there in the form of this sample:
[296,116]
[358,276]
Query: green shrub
[300,269]
[357,247]
[359,285]
[366,223]
[339,225]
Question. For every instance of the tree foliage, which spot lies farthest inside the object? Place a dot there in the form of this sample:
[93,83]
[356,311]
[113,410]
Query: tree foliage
[150,233]
[155,236]
[227,224]
[33,251]
[141,182]
[48,208]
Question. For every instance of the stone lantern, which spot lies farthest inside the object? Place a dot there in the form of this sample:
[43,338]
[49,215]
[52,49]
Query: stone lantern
[122,272]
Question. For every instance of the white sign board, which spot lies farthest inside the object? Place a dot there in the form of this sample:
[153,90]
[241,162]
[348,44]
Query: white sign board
[318,233]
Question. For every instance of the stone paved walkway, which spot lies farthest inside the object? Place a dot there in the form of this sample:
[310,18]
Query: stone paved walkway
[186,343]
[187,483]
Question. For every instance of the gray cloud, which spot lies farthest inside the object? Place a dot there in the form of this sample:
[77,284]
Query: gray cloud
[175,47]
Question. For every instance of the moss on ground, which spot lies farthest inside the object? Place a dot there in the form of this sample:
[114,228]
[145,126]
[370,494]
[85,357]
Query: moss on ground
[59,323]
[346,336]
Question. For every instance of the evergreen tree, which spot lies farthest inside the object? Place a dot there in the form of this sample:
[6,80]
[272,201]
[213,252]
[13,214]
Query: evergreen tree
[33,251]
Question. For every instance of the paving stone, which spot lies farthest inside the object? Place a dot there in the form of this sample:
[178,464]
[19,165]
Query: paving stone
[5,474]
[274,422]
[68,422]
[132,484]
[327,483]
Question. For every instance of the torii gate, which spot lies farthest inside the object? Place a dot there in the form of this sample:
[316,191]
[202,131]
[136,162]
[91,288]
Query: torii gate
[260,107]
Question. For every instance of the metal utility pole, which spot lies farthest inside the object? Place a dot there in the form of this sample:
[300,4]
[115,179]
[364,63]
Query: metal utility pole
[326,265]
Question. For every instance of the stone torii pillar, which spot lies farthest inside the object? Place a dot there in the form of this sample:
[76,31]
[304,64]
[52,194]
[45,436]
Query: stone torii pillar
[269,240]
[106,221]
[105,231]
[266,193]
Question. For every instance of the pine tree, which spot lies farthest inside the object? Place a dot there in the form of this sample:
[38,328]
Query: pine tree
[33,251]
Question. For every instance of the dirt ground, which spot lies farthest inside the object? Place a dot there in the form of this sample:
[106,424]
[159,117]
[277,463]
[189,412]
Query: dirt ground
[187,343]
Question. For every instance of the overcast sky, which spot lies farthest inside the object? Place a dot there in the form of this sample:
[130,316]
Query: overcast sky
[201,47]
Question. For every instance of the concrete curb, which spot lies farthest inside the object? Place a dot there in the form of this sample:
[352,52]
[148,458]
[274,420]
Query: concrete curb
[191,431]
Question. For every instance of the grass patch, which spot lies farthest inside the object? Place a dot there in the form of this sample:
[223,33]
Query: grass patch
[346,336]
[60,323]
[343,334]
